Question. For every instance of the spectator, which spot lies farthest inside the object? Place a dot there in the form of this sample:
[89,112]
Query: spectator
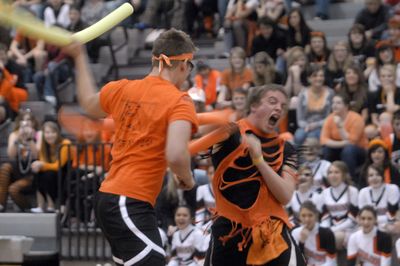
[91,12]
[53,155]
[384,55]
[393,140]
[237,76]
[317,243]
[342,135]
[188,242]
[296,80]
[205,201]
[303,193]
[56,71]
[76,24]
[28,53]
[319,51]
[15,175]
[270,39]
[10,95]
[311,154]
[12,67]
[384,198]
[264,71]
[298,30]
[378,156]
[56,13]
[394,35]
[35,6]
[385,101]
[168,201]
[374,17]
[240,23]
[338,203]
[273,9]
[355,88]
[369,243]
[209,80]
[314,105]
[338,61]
[361,48]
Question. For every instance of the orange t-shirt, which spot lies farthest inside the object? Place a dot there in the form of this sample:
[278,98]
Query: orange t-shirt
[25,42]
[353,124]
[142,111]
[210,86]
[234,80]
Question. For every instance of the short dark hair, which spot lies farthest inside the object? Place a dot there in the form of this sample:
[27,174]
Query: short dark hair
[171,43]
[309,205]
[256,93]
[370,209]
[266,21]
[345,98]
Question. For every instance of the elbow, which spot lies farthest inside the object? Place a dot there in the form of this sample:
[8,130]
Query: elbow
[177,158]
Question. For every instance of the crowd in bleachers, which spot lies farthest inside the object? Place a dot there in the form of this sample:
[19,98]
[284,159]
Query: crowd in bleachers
[343,118]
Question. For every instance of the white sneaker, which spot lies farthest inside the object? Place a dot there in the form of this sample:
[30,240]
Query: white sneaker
[51,99]
[37,210]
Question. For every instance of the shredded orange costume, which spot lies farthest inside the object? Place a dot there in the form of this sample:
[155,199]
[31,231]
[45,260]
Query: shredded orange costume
[263,219]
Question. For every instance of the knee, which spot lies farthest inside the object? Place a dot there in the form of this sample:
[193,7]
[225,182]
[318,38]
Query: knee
[5,171]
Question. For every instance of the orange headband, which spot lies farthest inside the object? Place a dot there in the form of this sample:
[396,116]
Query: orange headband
[163,58]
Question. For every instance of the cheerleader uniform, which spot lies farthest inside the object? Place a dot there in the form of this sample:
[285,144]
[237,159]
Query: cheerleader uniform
[372,249]
[295,203]
[384,199]
[187,244]
[205,200]
[339,207]
[319,248]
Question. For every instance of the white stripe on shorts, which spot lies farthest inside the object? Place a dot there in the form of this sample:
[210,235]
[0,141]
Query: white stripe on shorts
[150,244]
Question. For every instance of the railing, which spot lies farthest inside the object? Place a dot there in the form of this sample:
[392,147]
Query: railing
[81,239]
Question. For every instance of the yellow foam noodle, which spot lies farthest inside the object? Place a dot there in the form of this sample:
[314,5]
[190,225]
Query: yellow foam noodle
[34,28]
[105,24]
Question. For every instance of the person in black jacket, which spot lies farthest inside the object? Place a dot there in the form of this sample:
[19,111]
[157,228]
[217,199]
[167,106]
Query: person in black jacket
[374,17]
[270,40]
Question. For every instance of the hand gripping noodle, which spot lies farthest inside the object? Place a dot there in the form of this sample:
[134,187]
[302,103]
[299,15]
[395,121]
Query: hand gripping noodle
[34,28]
[214,137]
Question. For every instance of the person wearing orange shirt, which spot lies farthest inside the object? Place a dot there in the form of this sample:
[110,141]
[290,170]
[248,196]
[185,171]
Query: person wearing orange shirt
[208,79]
[236,76]
[10,95]
[342,135]
[149,114]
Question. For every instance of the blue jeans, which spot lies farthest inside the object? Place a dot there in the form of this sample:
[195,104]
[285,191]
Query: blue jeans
[352,155]
[300,135]
[321,8]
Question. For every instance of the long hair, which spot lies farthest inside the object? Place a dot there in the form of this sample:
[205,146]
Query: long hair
[333,64]
[269,74]
[359,97]
[304,30]
[48,151]
[344,170]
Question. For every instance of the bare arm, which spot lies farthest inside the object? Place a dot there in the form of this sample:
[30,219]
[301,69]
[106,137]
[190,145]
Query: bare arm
[177,152]
[282,187]
[89,98]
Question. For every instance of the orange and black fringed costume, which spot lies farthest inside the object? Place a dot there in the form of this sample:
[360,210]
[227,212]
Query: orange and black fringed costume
[251,226]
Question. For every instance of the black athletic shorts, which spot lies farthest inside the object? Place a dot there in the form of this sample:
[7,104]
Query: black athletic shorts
[228,254]
[131,229]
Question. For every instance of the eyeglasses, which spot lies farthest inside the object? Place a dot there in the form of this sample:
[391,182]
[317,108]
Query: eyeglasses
[190,65]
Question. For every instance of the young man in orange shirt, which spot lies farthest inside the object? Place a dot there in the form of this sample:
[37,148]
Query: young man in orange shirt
[153,124]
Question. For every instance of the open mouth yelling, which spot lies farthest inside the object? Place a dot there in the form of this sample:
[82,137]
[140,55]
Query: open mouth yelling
[273,120]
